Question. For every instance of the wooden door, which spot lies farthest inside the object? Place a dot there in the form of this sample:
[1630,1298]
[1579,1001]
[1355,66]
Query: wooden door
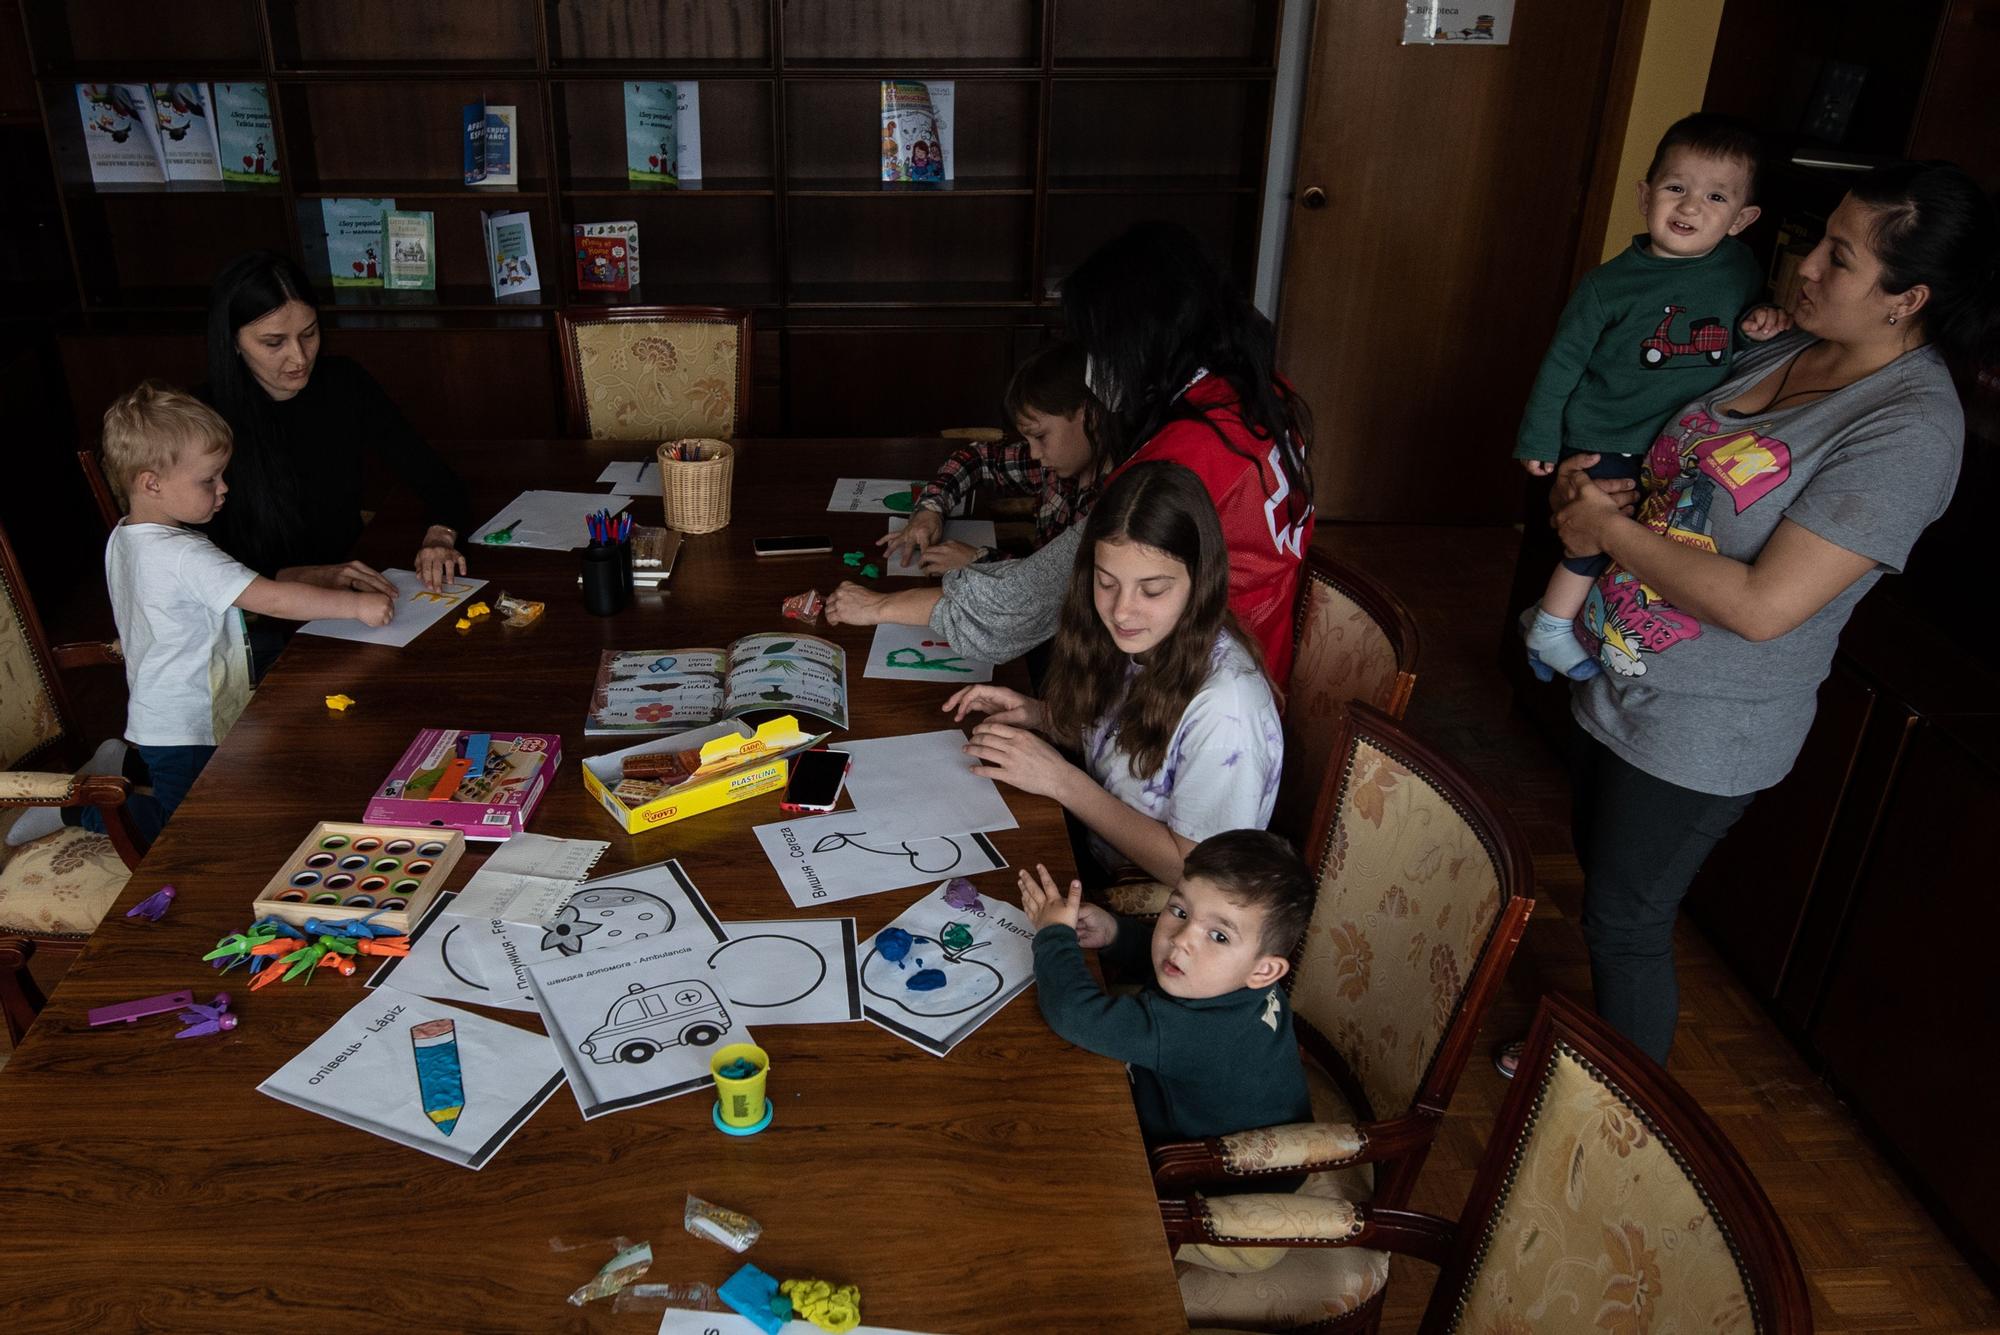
[1422,286]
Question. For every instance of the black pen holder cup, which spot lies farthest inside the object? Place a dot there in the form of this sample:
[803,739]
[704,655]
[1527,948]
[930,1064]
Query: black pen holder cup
[604,589]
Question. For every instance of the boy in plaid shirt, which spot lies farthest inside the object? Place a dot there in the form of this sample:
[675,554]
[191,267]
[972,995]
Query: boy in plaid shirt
[1053,462]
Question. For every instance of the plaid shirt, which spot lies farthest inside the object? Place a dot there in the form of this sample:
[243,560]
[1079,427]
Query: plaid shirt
[1010,470]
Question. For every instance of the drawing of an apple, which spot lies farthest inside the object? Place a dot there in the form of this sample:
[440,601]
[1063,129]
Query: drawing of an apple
[926,978]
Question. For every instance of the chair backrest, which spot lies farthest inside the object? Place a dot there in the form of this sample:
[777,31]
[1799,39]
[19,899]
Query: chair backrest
[92,464]
[32,707]
[1424,889]
[1353,640]
[1607,1200]
[657,372]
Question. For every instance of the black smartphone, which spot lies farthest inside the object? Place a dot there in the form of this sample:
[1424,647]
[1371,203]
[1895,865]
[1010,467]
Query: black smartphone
[817,778]
[792,546]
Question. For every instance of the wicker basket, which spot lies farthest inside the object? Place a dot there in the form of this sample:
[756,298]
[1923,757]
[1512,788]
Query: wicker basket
[696,492]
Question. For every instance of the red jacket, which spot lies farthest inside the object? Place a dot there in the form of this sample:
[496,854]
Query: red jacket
[1266,548]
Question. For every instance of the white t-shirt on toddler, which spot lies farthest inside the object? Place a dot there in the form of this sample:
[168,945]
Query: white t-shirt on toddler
[187,662]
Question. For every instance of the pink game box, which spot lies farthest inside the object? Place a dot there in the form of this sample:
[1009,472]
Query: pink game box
[483,784]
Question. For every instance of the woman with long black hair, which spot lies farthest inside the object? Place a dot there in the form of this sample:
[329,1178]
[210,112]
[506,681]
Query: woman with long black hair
[303,423]
[1181,368]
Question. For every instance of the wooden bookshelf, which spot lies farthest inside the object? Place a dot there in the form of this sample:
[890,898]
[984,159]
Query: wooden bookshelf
[1075,119]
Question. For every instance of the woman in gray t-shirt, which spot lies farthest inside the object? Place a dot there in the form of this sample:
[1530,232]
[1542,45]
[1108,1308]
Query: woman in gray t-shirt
[1765,510]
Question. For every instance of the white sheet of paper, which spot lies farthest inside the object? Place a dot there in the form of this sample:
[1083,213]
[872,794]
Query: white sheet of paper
[915,653]
[528,878]
[552,521]
[870,495]
[971,532]
[922,784]
[485,960]
[417,610]
[790,971]
[940,970]
[637,1023]
[376,1069]
[826,859]
[632,479]
[689,1321]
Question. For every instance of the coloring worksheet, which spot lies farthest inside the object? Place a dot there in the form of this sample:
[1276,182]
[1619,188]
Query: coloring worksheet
[915,653]
[528,878]
[636,1023]
[552,521]
[946,965]
[417,610]
[922,784]
[971,532]
[790,971]
[433,1077]
[871,495]
[826,859]
[689,1321]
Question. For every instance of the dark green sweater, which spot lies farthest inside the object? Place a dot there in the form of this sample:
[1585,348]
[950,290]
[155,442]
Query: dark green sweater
[1601,387]
[1203,1068]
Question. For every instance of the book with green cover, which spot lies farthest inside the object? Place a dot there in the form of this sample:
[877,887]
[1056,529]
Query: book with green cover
[354,240]
[412,242]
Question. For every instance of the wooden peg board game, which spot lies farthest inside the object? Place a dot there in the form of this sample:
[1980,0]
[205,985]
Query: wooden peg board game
[342,872]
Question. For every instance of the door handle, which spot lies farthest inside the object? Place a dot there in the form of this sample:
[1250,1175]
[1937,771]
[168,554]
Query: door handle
[1313,197]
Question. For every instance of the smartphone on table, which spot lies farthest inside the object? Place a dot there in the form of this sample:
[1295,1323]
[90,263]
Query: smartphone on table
[796,544]
[816,780]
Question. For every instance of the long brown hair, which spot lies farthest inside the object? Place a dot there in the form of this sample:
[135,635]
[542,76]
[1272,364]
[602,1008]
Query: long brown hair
[1165,507]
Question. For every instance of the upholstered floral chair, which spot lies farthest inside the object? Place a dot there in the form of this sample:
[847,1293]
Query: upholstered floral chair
[657,372]
[1424,885]
[54,891]
[1606,1201]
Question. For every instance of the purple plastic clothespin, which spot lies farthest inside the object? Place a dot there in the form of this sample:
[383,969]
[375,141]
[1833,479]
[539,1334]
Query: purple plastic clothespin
[154,906]
[133,1011]
[213,1018]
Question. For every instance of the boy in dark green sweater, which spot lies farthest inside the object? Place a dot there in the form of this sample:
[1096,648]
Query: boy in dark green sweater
[1209,1040]
[1643,334]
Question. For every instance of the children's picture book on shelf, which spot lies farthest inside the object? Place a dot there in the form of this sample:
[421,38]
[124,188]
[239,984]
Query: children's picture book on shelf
[641,691]
[663,132]
[246,143]
[485,785]
[500,152]
[510,253]
[121,133]
[189,149]
[607,256]
[412,242]
[916,130]
[472,141]
[354,242]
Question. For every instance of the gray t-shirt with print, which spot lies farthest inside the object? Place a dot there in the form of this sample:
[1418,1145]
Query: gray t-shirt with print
[1866,468]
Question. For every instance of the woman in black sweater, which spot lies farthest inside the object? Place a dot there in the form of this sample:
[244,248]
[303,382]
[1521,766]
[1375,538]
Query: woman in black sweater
[303,423]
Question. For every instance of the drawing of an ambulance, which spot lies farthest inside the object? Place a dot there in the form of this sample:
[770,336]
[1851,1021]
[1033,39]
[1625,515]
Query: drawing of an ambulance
[647,1019]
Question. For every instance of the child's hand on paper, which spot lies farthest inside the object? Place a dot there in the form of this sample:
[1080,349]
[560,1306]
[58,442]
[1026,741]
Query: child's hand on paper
[926,526]
[341,575]
[1538,467]
[947,555]
[999,704]
[375,609]
[1047,906]
[852,605]
[1765,321]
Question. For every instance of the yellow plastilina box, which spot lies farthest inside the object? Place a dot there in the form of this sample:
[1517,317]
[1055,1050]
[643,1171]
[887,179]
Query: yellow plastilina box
[671,778]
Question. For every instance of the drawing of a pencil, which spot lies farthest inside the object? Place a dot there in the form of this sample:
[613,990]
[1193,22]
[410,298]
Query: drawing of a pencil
[440,1080]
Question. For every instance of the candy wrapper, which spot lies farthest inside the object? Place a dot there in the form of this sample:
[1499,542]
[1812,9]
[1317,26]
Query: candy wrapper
[630,1263]
[519,611]
[734,1231]
[804,607]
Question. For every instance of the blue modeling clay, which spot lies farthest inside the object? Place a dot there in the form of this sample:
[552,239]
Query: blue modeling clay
[893,943]
[750,1292]
[926,980]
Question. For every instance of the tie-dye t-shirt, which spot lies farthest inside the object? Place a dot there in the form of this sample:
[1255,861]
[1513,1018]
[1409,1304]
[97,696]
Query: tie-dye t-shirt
[1221,770]
[1866,468]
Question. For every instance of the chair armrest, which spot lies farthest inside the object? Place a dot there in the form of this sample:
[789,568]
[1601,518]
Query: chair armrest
[1284,1151]
[93,653]
[1288,1221]
[106,792]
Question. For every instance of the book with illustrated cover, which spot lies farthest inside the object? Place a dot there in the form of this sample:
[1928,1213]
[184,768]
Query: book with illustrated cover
[472,140]
[651,134]
[649,690]
[510,253]
[354,240]
[607,256]
[121,133]
[247,145]
[499,149]
[188,144]
[916,130]
[412,242]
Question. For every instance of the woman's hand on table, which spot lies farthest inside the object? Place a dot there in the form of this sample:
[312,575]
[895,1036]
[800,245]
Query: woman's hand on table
[1019,757]
[356,576]
[852,605]
[439,559]
[947,555]
[999,704]
[926,526]
[1582,507]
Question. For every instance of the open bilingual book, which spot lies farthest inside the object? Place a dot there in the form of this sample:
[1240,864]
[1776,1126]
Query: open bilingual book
[641,691]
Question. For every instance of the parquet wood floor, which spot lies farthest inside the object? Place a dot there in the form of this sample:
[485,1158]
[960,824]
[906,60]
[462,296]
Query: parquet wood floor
[1872,1257]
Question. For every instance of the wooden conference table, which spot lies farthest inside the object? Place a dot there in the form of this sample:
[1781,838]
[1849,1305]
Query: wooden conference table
[144,1183]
